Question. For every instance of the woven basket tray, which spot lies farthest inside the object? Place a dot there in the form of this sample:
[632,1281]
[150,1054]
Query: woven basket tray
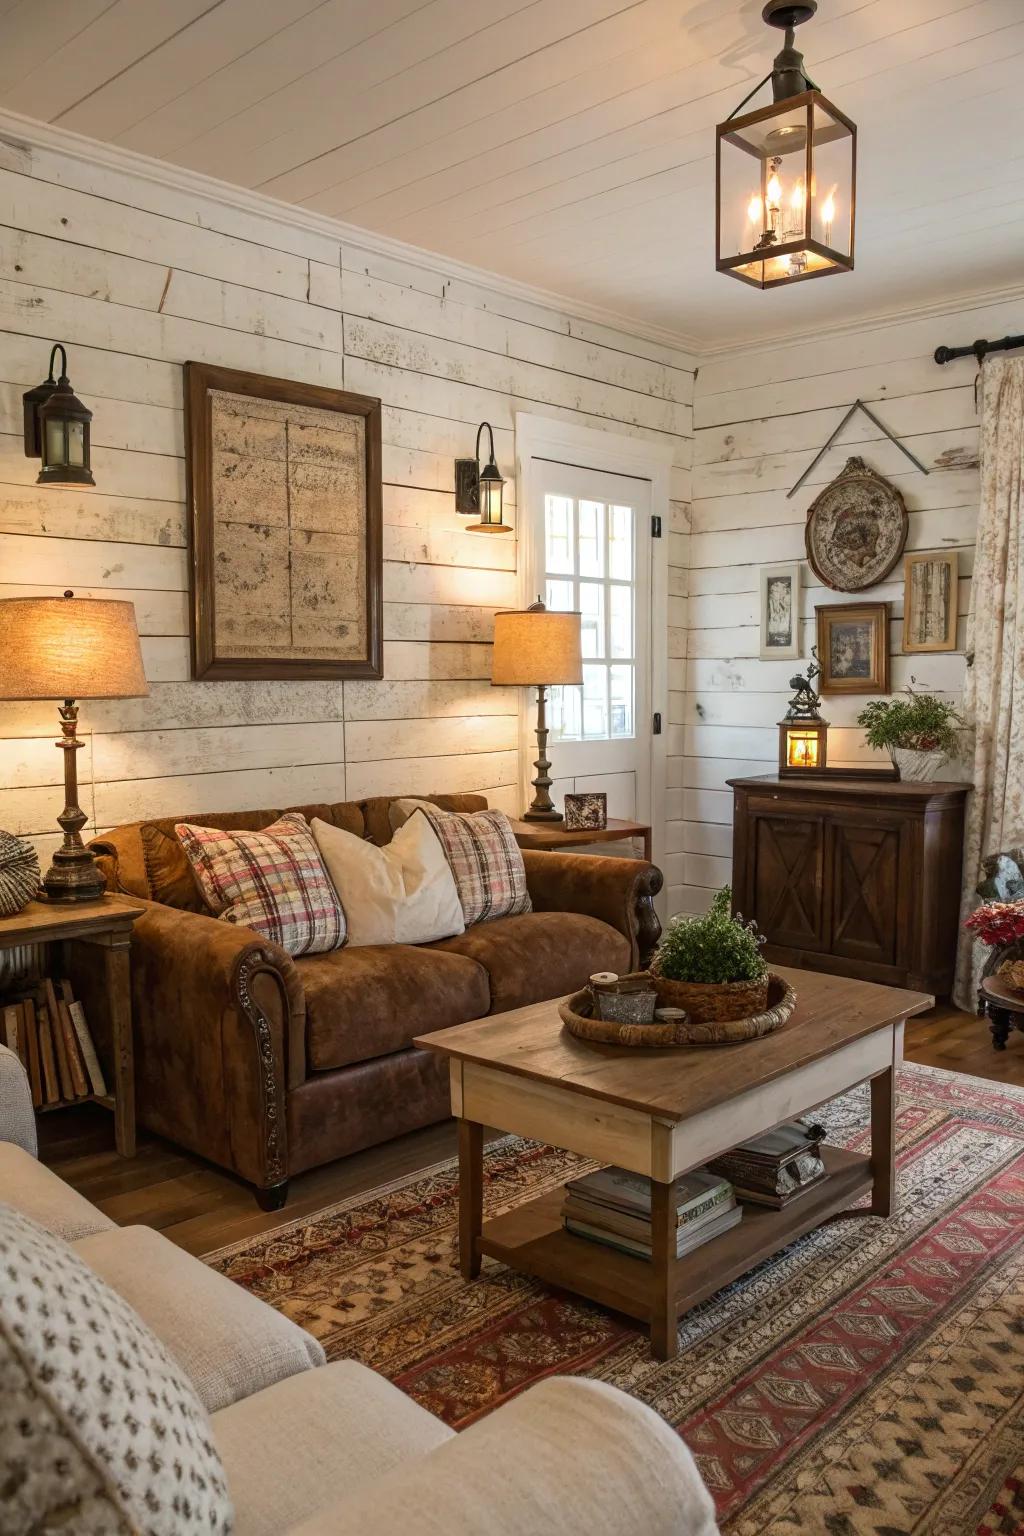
[708,1002]
[578,1019]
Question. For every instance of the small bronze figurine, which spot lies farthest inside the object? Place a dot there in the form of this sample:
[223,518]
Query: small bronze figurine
[804,703]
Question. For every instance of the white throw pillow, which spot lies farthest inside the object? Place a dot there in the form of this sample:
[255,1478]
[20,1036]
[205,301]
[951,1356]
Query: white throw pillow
[402,894]
[100,1432]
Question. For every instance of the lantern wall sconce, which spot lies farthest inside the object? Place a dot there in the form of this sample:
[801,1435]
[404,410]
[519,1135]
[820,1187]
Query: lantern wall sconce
[479,491]
[57,428]
[785,175]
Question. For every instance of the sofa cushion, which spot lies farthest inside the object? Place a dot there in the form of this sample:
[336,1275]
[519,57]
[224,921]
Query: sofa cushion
[370,1001]
[334,1430]
[537,955]
[36,1192]
[228,1342]
[377,811]
[486,861]
[100,1431]
[402,894]
[273,881]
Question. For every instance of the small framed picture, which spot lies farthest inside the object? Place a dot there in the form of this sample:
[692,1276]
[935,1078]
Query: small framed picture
[853,647]
[930,601]
[780,612]
[586,813]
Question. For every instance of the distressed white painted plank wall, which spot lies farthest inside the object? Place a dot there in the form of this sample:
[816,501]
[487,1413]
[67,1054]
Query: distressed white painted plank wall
[760,418]
[135,277]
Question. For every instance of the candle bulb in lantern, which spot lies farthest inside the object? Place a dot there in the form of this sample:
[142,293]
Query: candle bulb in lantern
[828,213]
[773,194]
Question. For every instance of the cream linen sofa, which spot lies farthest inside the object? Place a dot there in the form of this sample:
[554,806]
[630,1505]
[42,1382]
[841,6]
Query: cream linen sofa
[335,1450]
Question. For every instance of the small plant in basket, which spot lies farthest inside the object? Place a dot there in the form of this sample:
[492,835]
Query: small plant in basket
[712,965]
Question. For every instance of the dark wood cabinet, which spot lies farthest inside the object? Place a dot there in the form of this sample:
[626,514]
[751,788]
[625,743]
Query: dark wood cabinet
[859,877]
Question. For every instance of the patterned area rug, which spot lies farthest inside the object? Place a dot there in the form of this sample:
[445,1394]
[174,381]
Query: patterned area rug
[867,1381]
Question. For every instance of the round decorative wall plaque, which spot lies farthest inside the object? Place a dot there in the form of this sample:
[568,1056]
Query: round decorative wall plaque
[856,529]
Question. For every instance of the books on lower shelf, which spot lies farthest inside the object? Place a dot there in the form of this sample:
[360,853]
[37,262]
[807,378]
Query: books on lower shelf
[47,1029]
[777,1167]
[613,1206]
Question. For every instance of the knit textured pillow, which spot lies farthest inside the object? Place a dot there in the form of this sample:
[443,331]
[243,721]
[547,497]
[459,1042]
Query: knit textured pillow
[100,1432]
[273,881]
[485,859]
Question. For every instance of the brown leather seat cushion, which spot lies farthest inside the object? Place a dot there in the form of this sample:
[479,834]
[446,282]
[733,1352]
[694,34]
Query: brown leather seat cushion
[374,999]
[538,955]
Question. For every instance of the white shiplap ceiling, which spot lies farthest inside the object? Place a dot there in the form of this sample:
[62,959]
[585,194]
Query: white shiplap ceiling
[564,143]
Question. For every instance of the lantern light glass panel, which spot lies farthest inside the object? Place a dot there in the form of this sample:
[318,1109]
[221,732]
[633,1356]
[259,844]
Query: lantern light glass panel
[786,185]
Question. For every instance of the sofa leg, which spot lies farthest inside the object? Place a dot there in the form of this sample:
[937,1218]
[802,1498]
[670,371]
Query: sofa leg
[648,928]
[273,1198]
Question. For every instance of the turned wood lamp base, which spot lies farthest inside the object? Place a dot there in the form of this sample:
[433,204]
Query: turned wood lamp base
[541,807]
[73,874]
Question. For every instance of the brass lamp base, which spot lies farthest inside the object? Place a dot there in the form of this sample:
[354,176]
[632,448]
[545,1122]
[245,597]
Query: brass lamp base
[542,807]
[73,874]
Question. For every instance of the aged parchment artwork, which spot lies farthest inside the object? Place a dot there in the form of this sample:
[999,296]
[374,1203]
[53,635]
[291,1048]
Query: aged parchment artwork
[287,550]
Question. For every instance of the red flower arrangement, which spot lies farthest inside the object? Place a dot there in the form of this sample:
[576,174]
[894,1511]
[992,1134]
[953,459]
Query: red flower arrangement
[998,923]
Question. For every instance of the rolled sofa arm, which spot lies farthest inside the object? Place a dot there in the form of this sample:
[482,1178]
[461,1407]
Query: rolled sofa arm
[570,1457]
[620,892]
[219,1026]
[17,1117]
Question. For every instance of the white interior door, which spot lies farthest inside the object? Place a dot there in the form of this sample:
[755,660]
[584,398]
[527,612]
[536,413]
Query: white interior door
[591,551]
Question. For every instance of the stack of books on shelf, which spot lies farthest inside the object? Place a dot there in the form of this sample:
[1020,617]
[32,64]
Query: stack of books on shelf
[777,1167]
[613,1207]
[47,1029]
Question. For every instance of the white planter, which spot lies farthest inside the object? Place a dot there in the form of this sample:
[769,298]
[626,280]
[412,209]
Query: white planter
[918,767]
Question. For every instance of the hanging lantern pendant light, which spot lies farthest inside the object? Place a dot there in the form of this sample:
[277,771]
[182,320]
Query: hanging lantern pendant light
[786,174]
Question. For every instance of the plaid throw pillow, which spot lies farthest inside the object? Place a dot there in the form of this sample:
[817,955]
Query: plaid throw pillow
[273,881]
[484,856]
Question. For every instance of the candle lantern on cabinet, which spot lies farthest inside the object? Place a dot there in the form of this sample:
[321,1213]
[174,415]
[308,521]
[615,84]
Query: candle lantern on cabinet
[786,175]
[803,734]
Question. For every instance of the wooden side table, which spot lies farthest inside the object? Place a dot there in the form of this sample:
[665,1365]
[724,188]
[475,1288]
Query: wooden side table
[104,926]
[1004,1008]
[552,837]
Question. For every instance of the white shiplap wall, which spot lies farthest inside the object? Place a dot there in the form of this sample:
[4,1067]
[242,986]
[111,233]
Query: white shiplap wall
[761,415]
[136,274]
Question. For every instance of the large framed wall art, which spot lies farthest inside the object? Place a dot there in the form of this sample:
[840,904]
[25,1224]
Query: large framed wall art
[284,496]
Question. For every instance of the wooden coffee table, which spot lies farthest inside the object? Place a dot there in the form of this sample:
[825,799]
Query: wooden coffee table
[661,1113]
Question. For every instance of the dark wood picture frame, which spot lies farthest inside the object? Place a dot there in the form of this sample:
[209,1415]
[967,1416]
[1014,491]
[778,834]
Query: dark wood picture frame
[200,380]
[874,614]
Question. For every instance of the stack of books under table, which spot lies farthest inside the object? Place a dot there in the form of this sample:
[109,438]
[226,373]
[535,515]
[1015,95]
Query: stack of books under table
[777,1167]
[613,1207]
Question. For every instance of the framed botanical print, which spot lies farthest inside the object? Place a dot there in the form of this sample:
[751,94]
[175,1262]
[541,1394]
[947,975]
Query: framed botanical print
[780,612]
[284,499]
[930,601]
[853,647]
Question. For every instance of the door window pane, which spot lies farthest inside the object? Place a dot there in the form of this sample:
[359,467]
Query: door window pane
[621,690]
[595,703]
[558,537]
[591,538]
[565,714]
[592,619]
[620,620]
[559,596]
[620,543]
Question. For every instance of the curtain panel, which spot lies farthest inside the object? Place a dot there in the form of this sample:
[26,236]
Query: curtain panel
[994,691]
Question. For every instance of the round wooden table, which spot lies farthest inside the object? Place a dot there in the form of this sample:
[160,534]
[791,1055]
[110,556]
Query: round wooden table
[1004,1009]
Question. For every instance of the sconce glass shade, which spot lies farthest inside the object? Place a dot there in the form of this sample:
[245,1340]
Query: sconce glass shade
[786,192]
[803,746]
[480,490]
[489,493]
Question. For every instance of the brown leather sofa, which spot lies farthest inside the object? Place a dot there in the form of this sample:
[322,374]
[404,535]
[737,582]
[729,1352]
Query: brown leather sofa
[269,1065]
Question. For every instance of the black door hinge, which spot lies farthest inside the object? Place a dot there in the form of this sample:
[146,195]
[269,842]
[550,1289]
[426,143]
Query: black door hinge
[655,527]
[656,723]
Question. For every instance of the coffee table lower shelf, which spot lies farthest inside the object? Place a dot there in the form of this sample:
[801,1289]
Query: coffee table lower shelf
[531,1239]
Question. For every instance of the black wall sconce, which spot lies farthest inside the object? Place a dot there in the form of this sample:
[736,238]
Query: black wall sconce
[479,490]
[57,429]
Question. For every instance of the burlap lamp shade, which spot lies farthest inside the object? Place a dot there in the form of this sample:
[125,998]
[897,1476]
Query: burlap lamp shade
[537,649]
[68,648]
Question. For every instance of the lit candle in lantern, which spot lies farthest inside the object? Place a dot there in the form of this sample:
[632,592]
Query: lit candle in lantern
[773,194]
[754,213]
[828,213]
[803,750]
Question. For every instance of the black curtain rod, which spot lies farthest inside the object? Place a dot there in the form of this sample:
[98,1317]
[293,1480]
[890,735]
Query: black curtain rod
[978,349]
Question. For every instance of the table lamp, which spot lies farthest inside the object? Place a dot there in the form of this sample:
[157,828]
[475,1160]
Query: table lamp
[68,648]
[537,649]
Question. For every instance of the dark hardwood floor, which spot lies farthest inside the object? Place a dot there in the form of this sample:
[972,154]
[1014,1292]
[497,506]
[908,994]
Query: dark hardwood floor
[201,1208]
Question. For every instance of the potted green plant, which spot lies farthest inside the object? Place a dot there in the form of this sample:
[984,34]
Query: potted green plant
[712,965]
[919,732]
